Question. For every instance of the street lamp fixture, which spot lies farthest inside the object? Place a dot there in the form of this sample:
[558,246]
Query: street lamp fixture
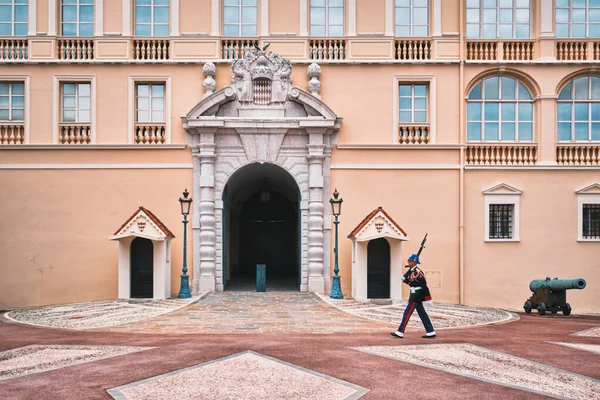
[336,210]
[184,289]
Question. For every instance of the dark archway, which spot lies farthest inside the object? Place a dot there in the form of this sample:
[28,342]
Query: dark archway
[378,269]
[261,226]
[142,268]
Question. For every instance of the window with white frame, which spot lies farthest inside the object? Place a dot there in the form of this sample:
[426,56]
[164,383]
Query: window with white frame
[500,108]
[76,102]
[578,110]
[77,17]
[412,103]
[240,17]
[502,204]
[588,203]
[14,16]
[327,17]
[12,101]
[150,103]
[152,17]
[501,220]
[577,18]
[498,19]
[411,18]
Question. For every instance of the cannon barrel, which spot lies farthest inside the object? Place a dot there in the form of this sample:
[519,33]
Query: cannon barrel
[557,284]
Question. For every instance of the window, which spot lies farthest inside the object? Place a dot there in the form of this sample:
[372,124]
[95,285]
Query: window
[578,110]
[13,17]
[588,213]
[498,19]
[327,17]
[77,17]
[152,17]
[12,101]
[413,103]
[501,221]
[591,221]
[240,17]
[500,108]
[76,104]
[412,18]
[150,103]
[577,18]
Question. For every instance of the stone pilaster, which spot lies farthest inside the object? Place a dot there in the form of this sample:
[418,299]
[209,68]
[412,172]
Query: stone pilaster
[316,147]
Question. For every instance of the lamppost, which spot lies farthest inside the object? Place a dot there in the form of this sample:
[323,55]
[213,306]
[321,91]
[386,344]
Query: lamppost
[336,210]
[184,290]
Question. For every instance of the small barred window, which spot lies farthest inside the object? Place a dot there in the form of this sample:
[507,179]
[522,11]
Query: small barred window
[591,221]
[501,221]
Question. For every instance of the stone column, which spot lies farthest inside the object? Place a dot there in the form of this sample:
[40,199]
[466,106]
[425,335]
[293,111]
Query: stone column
[547,130]
[205,240]
[316,281]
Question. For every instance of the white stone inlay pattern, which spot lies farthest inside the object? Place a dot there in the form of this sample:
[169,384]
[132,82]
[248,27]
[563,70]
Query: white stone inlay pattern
[594,332]
[441,315]
[40,358]
[96,314]
[592,348]
[246,375]
[494,367]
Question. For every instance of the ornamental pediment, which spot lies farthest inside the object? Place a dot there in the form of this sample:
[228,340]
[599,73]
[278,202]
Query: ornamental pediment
[591,189]
[377,224]
[143,223]
[503,188]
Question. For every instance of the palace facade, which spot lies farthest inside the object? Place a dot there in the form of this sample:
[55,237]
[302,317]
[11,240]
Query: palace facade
[476,122]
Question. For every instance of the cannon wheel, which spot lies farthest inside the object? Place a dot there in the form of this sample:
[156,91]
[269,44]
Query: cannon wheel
[541,309]
[567,310]
[528,306]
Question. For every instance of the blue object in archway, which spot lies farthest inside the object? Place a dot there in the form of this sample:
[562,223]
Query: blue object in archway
[261,277]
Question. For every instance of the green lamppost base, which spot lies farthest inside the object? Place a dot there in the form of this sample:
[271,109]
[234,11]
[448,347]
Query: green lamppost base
[184,290]
[336,289]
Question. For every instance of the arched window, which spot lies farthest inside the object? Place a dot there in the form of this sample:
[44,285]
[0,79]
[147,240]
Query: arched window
[500,108]
[579,109]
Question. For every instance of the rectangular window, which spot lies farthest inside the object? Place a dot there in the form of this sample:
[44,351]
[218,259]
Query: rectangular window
[77,17]
[577,18]
[12,101]
[240,17]
[152,17]
[412,18]
[327,17]
[413,103]
[498,19]
[14,15]
[76,103]
[501,221]
[591,221]
[150,102]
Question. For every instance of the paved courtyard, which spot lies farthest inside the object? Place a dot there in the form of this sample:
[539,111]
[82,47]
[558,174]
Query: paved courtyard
[291,345]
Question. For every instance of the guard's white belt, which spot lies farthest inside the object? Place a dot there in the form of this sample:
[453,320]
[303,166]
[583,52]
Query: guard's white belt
[414,289]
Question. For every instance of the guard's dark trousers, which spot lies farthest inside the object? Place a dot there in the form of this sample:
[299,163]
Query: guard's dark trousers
[422,314]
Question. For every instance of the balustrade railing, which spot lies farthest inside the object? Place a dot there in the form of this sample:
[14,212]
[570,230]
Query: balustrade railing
[151,49]
[150,134]
[75,134]
[232,49]
[14,49]
[413,49]
[571,51]
[518,50]
[486,51]
[12,134]
[75,49]
[571,154]
[327,49]
[413,134]
[596,50]
[501,154]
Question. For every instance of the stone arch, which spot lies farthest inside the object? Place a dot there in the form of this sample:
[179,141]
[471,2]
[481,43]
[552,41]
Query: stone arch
[574,75]
[529,82]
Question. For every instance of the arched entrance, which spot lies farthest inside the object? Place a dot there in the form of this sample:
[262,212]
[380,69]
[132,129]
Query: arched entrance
[142,268]
[378,269]
[261,226]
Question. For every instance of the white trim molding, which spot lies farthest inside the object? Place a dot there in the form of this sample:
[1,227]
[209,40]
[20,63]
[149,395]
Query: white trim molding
[430,80]
[215,23]
[264,17]
[32,23]
[351,18]
[99,17]
[51,17]
[27,101]
[389,18]
[126,18]
[546,18]
[131,106]
[503,194]
[95,166]
[437,17]
[587,195]
[174,17]
[56,101]
[304,17]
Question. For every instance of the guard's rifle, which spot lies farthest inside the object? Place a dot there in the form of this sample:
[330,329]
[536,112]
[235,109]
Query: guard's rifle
[422,245]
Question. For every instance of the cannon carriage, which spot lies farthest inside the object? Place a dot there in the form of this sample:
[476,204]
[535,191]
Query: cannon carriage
[550,295]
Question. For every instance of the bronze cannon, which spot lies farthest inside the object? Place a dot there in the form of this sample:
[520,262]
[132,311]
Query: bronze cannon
[550,295]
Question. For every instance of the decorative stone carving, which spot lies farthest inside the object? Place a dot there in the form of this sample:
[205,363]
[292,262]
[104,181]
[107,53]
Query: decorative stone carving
[314,85]
[264,74]
[209,84]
